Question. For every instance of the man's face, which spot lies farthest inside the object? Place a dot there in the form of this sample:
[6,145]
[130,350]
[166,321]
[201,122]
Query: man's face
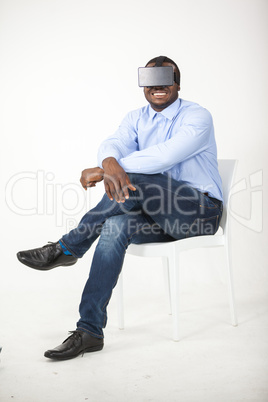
[161,97]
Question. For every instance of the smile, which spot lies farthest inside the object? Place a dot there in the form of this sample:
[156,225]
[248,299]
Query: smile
[159,94]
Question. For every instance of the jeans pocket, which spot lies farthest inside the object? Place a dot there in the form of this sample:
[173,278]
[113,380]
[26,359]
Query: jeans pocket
[204,226]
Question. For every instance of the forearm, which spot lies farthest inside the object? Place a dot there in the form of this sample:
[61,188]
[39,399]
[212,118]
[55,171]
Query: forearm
[120,144]
[162,157]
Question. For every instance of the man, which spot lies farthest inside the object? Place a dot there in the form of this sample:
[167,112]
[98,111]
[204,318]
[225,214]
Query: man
[171,191]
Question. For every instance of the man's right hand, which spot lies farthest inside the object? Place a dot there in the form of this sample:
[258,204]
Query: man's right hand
[91,176]
[116,181]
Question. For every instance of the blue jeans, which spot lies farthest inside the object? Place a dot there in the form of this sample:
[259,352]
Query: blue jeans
[161,209]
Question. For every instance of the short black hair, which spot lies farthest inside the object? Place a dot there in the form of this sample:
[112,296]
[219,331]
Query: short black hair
[168,60]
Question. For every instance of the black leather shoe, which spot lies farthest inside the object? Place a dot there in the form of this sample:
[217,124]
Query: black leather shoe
[79,342]
[47,257]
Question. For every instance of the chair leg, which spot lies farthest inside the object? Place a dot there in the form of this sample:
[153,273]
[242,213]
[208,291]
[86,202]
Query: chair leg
[230,284]
[120,302]
[167,281]
[174,290]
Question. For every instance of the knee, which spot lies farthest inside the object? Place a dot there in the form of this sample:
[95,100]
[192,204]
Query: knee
[114,230]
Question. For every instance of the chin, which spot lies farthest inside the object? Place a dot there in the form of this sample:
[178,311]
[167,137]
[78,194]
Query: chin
[160,105]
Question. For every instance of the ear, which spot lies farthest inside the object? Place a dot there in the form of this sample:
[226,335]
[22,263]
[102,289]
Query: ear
[179,88]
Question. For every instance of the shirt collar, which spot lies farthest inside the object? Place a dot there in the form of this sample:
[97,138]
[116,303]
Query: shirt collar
[169,112]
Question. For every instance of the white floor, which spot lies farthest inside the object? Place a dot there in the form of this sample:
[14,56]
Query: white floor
[213,361]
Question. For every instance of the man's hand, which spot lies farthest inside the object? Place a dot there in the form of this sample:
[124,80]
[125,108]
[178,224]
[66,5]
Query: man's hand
[116,181]
[89,177]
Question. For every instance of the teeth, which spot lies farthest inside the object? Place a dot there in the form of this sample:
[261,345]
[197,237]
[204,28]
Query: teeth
[159,93]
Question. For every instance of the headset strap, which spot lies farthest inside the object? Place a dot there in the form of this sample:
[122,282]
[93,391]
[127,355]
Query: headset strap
[159,61]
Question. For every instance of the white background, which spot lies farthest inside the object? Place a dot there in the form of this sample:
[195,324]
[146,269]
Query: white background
[68,75]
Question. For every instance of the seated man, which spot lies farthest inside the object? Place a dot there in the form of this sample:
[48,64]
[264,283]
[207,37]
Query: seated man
[171,191]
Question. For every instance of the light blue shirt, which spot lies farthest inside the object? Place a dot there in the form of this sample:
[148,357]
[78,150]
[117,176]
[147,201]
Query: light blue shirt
[179,141]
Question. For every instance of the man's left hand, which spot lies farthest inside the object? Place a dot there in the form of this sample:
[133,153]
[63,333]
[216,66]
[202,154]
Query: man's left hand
[116,181]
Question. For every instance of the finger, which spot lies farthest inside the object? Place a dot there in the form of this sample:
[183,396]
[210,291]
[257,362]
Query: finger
[125,192]
[83,182]
[115,195]
[129,185]
[115,189]
[119,188]
[120,195]
[122,190]
[108,192]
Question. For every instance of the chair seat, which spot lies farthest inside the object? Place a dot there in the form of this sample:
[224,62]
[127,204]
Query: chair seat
[161,249]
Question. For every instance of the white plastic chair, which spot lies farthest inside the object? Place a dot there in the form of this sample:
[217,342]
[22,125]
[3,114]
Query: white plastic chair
[170,253]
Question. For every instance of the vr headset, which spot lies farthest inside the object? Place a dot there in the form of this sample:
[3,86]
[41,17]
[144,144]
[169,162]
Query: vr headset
[157,76]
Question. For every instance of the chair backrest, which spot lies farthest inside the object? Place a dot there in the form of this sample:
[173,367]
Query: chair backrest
[227,171]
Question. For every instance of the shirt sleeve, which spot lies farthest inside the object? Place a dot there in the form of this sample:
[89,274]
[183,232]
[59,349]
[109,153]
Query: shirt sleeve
[189,139]
[123,142]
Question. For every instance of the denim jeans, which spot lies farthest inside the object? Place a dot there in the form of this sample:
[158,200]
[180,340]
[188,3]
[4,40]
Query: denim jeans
[161,209]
